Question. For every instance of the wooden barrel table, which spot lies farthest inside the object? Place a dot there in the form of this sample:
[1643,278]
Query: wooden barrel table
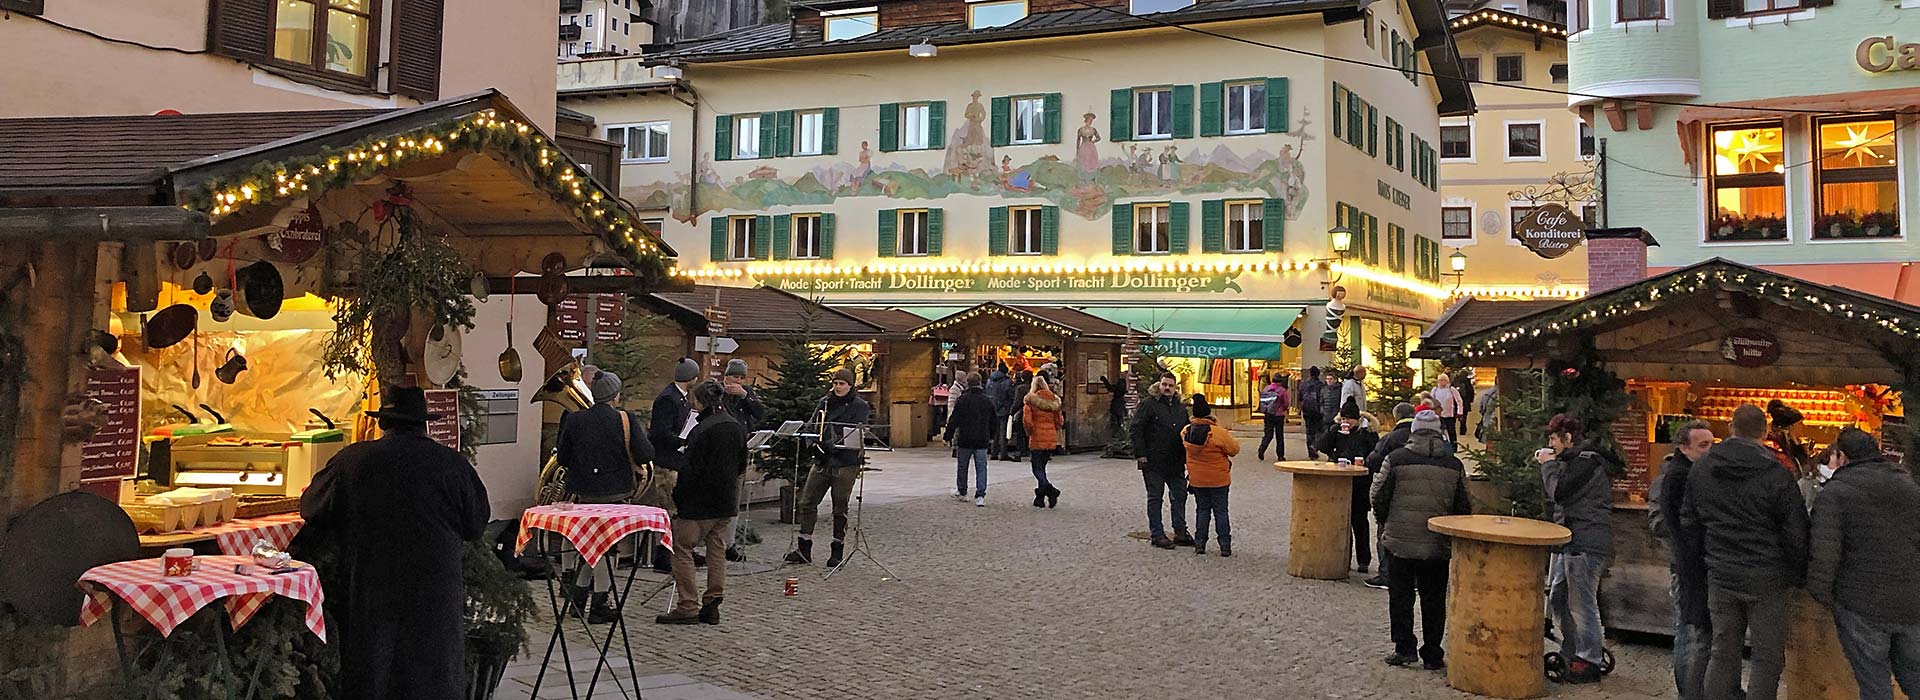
[1496,603]
[1321,538]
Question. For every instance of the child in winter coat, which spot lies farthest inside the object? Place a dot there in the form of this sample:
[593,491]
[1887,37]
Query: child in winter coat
[1210,451]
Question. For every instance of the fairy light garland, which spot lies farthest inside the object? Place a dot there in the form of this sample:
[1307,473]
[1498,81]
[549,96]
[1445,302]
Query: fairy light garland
[549,168]
[1794,294]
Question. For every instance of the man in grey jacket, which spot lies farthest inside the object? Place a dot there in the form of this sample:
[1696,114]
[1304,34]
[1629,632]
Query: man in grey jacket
[1756,545]
[1862,565]
[1579,488]
[1419,481]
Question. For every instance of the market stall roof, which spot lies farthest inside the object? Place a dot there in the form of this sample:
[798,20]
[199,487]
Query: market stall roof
[890,320]
[1061,321]
[65,153]
[756,313]
[1470,315]
[1226,332]
[1716,321]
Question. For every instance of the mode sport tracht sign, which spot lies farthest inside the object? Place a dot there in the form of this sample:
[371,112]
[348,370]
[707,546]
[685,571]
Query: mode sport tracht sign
[1550,231]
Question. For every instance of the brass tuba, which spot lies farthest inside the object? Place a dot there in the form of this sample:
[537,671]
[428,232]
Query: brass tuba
[568,390]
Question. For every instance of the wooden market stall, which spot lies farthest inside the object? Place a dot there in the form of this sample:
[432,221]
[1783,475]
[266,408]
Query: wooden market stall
[1016,337]
[1695,343]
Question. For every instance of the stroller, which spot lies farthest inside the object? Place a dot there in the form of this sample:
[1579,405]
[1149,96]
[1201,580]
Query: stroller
[1557,665]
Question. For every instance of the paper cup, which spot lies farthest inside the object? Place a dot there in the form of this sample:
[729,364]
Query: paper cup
[179,562]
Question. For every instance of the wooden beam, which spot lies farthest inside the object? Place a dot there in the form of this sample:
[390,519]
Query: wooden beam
[145,223]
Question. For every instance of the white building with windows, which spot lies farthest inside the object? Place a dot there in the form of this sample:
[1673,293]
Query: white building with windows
[590,28]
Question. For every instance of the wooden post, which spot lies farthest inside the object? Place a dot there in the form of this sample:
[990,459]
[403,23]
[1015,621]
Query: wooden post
[1321,539]
[1496,607]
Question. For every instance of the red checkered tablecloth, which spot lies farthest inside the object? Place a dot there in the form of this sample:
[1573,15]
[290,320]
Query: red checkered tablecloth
[167,602]
[594,528]
[236,537]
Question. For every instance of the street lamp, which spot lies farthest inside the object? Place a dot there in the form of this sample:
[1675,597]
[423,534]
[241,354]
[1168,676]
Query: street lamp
[1342,238]
[1458,261]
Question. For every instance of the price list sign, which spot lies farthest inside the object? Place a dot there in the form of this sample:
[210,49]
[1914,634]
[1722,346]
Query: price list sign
[1630,430]
[114,451]
[445,403]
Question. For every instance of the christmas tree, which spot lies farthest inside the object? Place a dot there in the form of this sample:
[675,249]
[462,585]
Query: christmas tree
[804,371]
[1391,378]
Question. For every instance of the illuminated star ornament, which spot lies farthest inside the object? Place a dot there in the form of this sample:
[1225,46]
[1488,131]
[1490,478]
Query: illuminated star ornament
[1752,148]
[1859,146]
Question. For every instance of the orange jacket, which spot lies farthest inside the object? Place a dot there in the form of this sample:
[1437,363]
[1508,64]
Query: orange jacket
[1209,463]
[1041,413]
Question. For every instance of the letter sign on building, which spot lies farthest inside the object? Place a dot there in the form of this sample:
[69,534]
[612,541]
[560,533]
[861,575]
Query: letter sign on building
[1880,54]
[1550,231]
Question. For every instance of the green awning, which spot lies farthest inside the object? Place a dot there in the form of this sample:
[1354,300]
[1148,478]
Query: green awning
[1249,333]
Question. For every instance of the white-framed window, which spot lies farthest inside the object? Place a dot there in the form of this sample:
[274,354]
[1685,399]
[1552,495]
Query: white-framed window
[1023,224]
[1470,67]
[1247,107]
[640,143]
[1154,7]
[1590,215]
[1153,113]
[1456,223]
[810,130]
[1579,16]
[1153,228]
[746,136]
[911,228]
[1516,213]
[995,13]
[806,237]
[588,18]
[1029,119]
[914,126]
[1588,145]
[1366,26]
[740,230]
[852,23]
[588,45]
[1636,10]
[1456,142]
[1510,68]
[657,226]
[1246,232]
[1526,140]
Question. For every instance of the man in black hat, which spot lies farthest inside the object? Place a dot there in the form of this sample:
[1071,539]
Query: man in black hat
[398,512]
[708,495]
[599,447]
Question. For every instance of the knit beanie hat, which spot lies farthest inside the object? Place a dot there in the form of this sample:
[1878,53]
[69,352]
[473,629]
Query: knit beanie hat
[736,368]
[605,385]
[1426,420]
[1350,410]
[843,375]
[686,371]
[1201,409]
[1783,415]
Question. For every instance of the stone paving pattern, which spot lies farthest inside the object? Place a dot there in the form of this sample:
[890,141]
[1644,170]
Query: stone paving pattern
[1010,601]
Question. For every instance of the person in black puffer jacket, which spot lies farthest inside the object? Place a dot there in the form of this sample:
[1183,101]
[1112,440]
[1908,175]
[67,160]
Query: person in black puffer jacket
[1420,481]
[1756,542]
[707,495]
[1579,491]
[1693,626]
[970,427]
[1350,440]
[1864,543]
[1394,440]
[1157,448]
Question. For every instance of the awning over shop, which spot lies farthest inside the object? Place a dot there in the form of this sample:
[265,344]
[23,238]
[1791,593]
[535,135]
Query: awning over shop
[1249,333]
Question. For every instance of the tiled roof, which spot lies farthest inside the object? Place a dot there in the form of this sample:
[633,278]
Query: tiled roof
[765,311]
[134,150]
[1474,315]
[889,320]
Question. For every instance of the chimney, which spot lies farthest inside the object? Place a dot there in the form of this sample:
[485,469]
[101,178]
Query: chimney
[1616,257]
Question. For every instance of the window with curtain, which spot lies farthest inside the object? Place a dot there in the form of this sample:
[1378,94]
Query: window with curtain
[1246,226]
[912,231]
[1023,224]
[1153,228]
[740,231]
[1857,183]
[1748,184]
[806,236]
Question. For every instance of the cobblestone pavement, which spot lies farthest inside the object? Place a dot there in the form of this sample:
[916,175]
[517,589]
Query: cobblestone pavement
[1010,601]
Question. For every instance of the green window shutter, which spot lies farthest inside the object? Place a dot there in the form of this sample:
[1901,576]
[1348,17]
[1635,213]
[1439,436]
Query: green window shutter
[1212,110]
[1122,229]
[888,219]
[719,251]
[1399,57]
[769,134]
[1120,116]
[782,236]
[1276,105]
[1373,131]
[830,131]
[1373,239]
[1339,105]
[1183,111]
[1273,225]
[723,137]
[936,125]
[997,231]
[1002,121]
[762,237]
[936,225]
[889,127]
[1177,237]
[1356,121]
[1050,230]
[1213,226]
[783,133]
[826,236]
[1051,120]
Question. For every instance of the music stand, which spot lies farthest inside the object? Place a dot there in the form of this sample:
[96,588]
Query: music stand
[857,543]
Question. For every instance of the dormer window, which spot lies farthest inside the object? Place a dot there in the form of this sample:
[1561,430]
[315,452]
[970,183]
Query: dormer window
[852,23]
[995,13]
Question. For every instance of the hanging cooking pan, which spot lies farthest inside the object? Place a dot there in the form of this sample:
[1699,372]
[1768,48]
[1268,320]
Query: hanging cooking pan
[263,289]
[168,326]
[510,358]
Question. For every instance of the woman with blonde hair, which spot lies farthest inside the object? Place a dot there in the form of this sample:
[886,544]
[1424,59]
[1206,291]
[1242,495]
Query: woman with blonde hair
[1040,412]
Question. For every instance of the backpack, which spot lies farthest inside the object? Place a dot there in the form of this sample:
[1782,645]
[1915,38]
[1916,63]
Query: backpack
[1310,395]
[1273,402]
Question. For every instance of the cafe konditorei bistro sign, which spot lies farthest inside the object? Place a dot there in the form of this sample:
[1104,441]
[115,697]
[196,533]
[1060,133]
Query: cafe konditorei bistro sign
[1550,231]
[1881,54]
[955,282]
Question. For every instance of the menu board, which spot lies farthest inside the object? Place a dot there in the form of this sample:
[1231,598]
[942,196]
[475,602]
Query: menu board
[114,451]
[446,403]
[1630,430]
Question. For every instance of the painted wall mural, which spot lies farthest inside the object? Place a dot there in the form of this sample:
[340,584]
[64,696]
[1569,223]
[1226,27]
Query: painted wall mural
[1099,173]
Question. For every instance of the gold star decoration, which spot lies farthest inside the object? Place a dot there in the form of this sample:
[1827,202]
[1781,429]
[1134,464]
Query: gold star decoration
[1859,146]
[1752,149]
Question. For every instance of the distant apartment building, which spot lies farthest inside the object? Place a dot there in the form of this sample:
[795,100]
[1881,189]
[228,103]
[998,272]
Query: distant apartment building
[592,28]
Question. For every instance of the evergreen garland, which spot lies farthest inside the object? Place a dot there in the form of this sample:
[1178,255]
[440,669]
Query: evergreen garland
[401,268]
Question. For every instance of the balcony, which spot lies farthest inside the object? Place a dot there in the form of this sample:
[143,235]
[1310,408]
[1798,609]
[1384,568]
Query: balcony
[570,6]
[569,32]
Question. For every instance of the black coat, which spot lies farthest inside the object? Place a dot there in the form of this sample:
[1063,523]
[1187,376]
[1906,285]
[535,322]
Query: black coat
[1866,543]
[709,486]
[1308,397]
[669,417]
[398,512]
[1579,489]
[1686,544]
[749,409]
[1754,519]
[1155,433]
[589,447]
[1353,446]
[839,415]
[1389,443]
[971,420]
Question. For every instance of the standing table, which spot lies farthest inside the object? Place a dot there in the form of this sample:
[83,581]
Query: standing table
[168,601]
[1321,538]
[1496,609]
[591,530]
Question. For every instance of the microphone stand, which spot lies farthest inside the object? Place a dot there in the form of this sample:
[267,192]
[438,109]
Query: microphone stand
[857,541]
